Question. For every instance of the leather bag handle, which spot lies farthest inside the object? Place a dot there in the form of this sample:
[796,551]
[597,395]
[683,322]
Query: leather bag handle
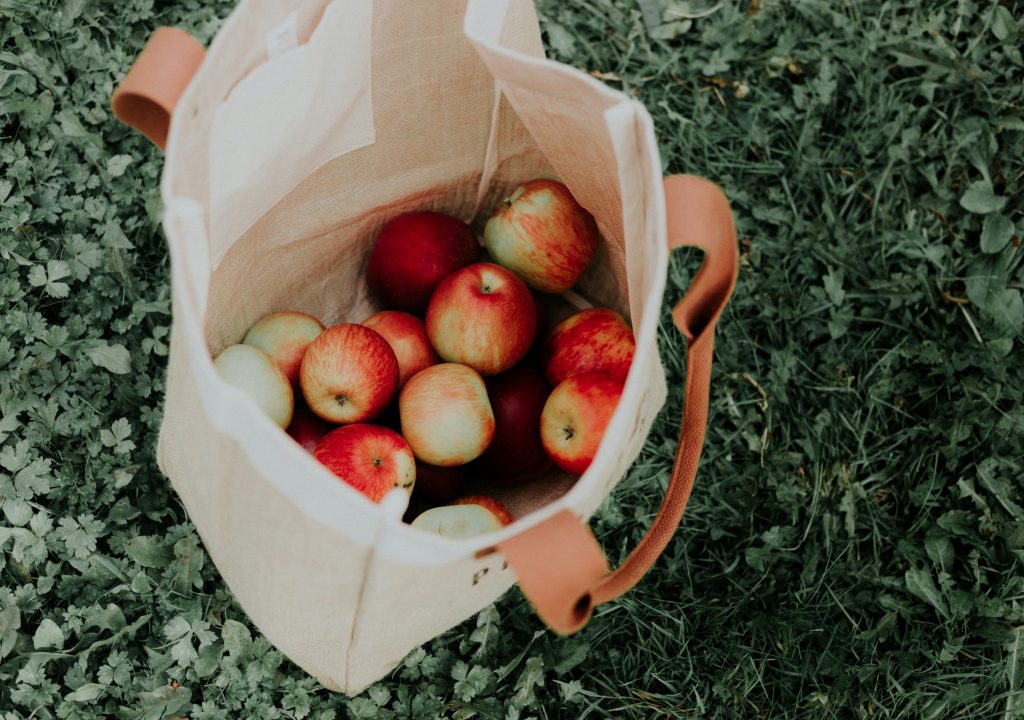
[561,568]
[146,98]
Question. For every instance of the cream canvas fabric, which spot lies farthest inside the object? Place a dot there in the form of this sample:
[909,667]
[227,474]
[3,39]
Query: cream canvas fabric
[445,106]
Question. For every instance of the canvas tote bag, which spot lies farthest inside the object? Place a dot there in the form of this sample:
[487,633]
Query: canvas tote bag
[306,127]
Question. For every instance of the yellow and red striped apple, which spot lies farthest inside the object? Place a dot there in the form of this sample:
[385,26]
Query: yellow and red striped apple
[445,414]
[349,374]
[413,253]
[593,340]
[370,458]
[466,518]
[486,501]
[575,418]
[543,235]
[255,373]
[407,336]
[284,336]
[482,316]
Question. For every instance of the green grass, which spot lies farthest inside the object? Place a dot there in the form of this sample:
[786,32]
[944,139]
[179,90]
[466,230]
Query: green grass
[854,545]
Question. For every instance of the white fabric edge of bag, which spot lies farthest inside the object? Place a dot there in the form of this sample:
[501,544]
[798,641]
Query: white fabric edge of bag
[346,28]
[294,472]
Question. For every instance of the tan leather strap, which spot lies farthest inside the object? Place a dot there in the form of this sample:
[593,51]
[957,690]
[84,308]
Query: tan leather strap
[555,560]
[147,96]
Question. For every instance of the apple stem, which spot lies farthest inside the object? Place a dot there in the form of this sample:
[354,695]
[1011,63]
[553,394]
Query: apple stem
[569,432]
[508,201]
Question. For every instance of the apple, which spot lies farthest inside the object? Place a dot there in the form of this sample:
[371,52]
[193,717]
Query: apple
[306,428]
[407,336]
[370,458]
[575,418]
[597,339]
[517,398]
[438,485]
[285,336]
[412,255]
[482,316]
[485,501]
[543,235]
[254,372]
[458,521]
[446,416]
[349,374]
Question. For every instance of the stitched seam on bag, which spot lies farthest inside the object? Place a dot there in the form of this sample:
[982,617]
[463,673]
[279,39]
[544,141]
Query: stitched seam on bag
[363,582]
[495,156]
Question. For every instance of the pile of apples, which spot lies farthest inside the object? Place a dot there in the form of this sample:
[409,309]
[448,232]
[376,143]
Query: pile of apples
[457,383]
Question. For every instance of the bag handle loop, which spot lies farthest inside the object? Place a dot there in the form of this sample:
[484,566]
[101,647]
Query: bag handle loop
[147,96]
[561,568]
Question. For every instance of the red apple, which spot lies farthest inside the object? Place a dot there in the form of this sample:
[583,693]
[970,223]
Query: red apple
[285,336]
[458,521]
[438,485]
[412,255]
[349,374]
[306,428]
[370,458]
[575,418]
[485,501]
[446,416]
[594,340]
[255,373]
[517,399]
[543,235]
[407,336]
[482,316]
